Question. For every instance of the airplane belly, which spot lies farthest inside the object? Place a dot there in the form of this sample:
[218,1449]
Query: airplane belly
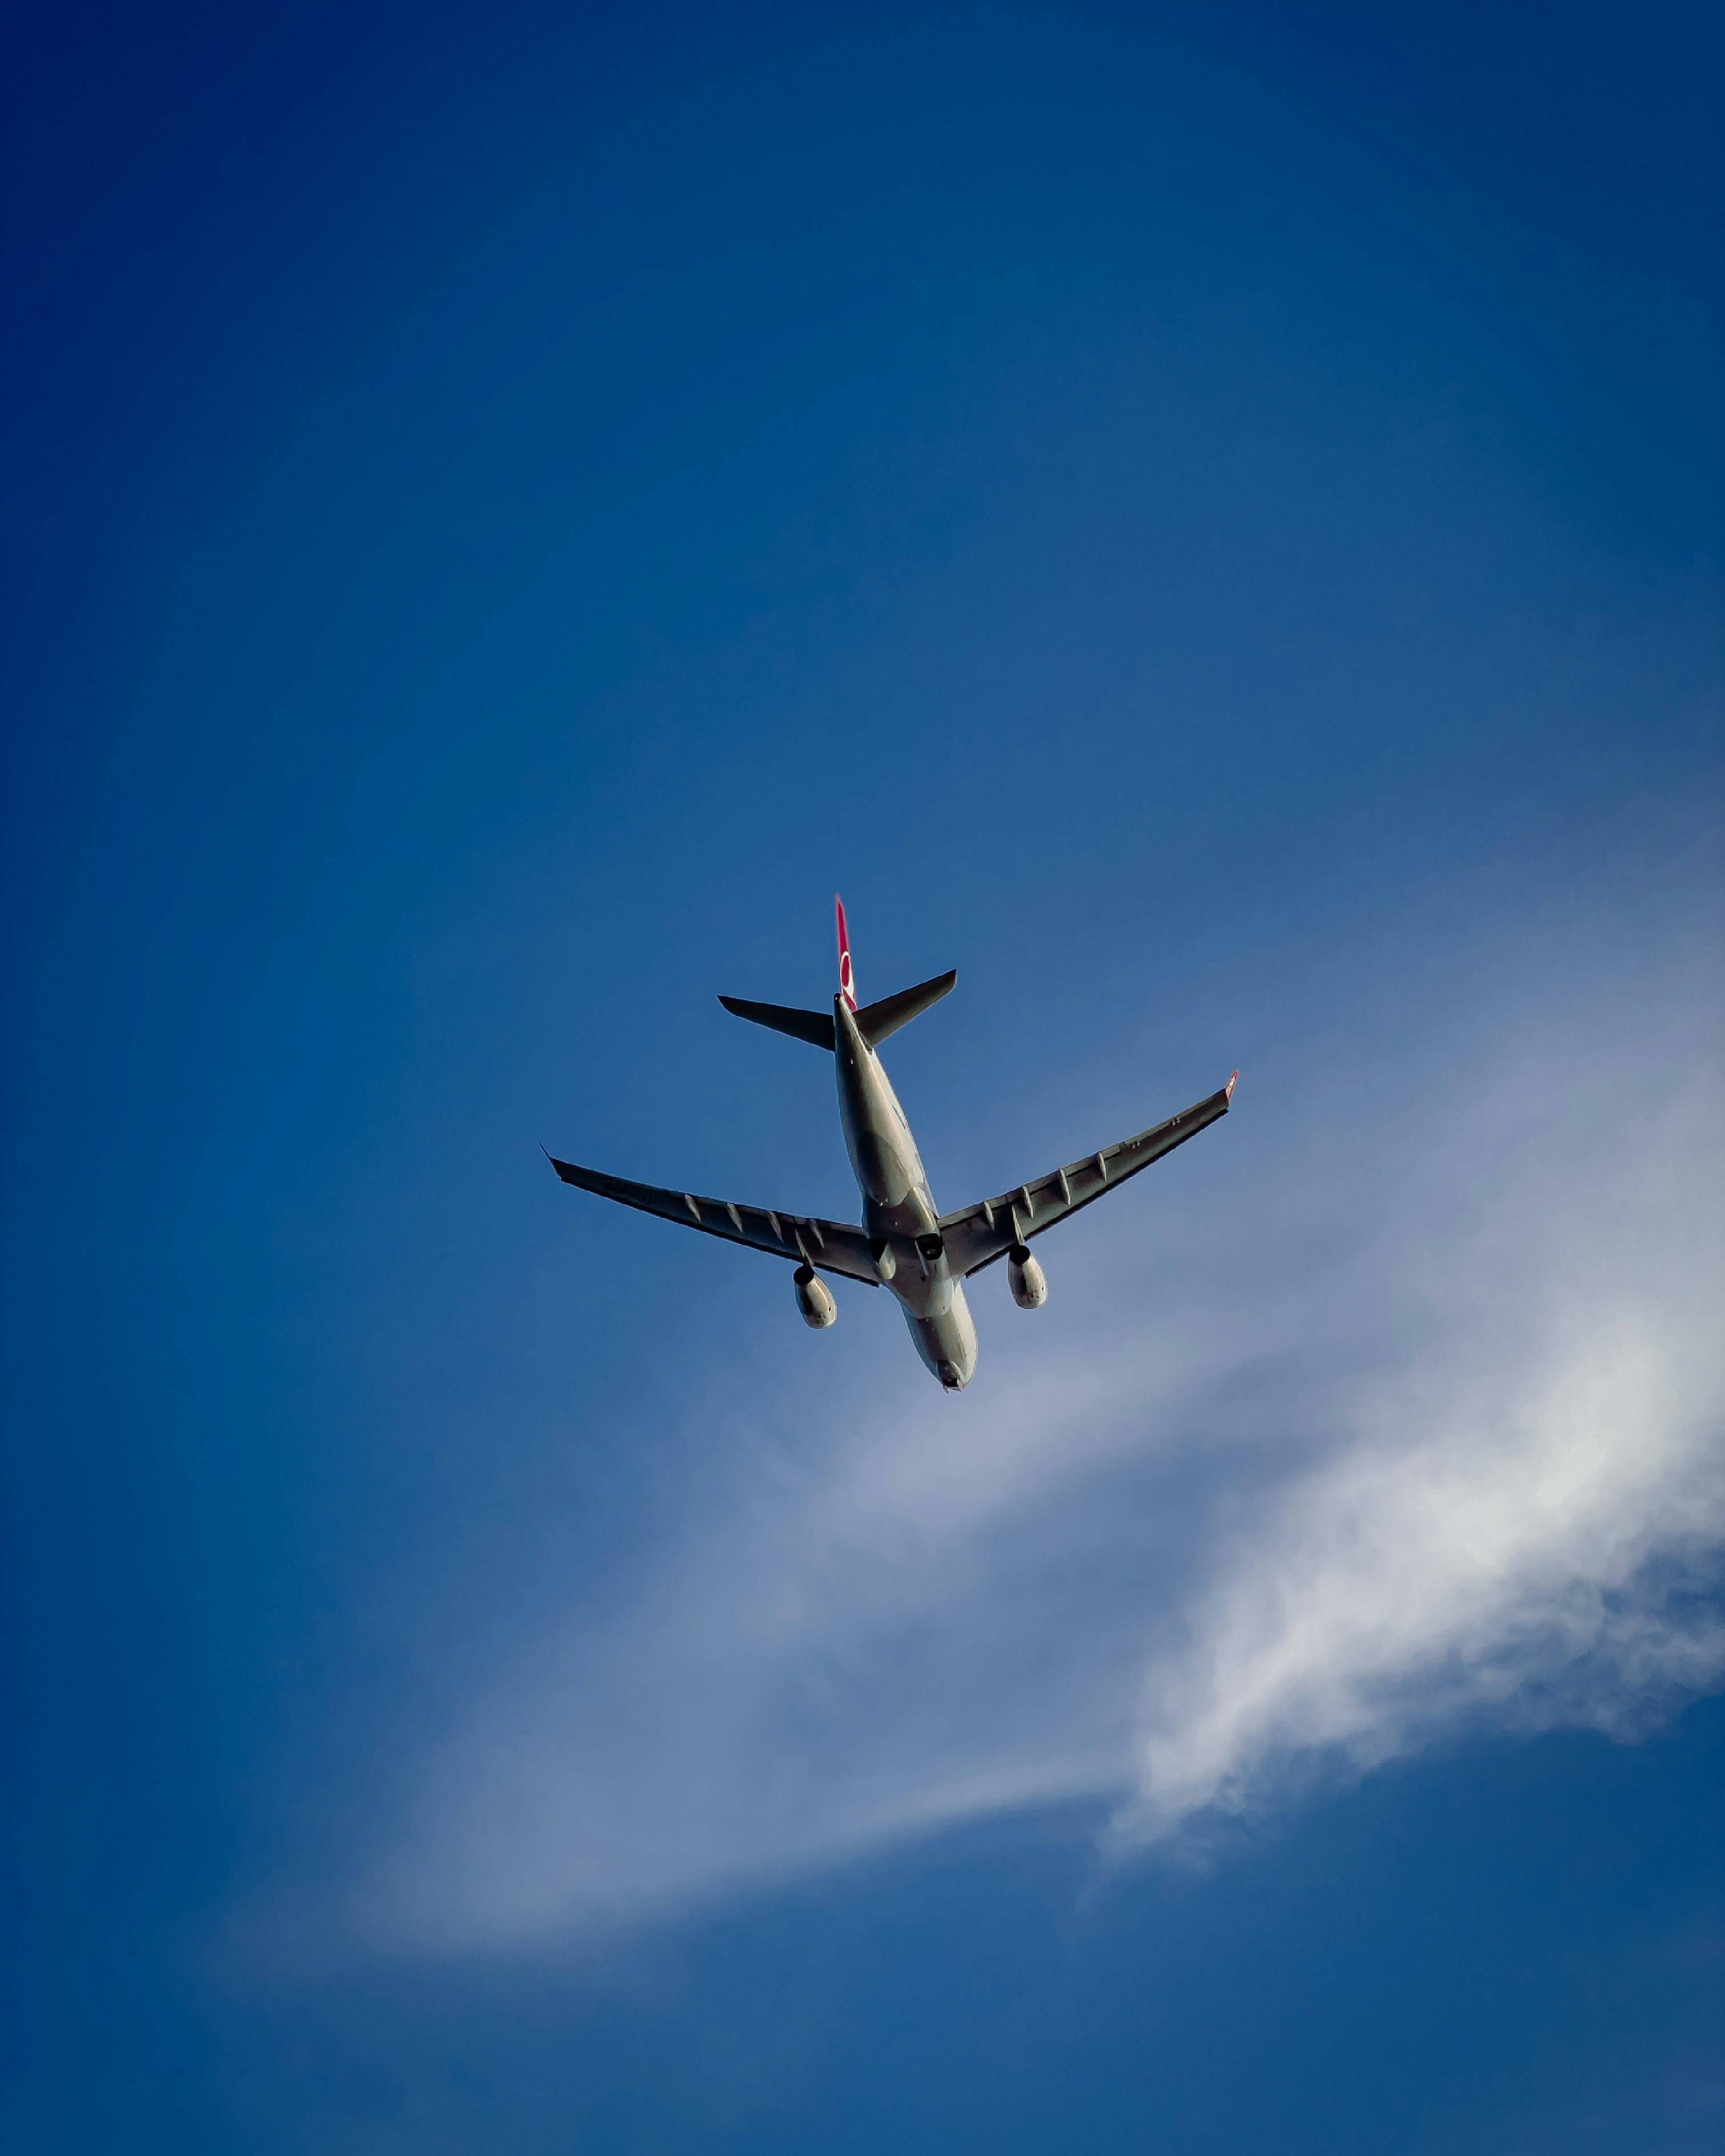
[882,1169]
[883,1154]
[923,1298]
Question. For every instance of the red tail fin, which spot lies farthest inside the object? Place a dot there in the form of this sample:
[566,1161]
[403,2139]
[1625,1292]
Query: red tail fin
[847,977]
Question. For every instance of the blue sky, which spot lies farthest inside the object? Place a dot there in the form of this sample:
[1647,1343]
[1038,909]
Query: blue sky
[1206,523]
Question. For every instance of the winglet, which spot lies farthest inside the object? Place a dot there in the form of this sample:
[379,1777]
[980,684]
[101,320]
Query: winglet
[847,977]
[1228,1090]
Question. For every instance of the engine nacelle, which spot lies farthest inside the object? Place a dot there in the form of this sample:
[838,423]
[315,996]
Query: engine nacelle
[815,1298]
[1025,1278]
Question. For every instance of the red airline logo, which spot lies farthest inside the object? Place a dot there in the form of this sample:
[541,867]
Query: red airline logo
[847,978]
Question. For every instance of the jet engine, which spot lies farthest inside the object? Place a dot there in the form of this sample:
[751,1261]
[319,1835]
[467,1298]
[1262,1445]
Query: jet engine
[1024,1277]
[815,1298]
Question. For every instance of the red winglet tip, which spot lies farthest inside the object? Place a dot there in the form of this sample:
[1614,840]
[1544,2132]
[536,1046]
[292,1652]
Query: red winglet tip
[1228,1090]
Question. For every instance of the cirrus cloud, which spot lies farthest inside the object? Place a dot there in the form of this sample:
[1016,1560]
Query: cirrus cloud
[1370,1428]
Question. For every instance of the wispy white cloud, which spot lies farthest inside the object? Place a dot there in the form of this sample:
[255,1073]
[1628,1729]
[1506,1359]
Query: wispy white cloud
[1368,1424]
[1517,1523]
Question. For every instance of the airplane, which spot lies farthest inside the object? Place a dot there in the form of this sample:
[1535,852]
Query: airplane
[922,1256]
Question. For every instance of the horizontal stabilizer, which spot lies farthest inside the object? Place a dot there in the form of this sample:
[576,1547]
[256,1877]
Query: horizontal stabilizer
[874,1022]
[816,1027]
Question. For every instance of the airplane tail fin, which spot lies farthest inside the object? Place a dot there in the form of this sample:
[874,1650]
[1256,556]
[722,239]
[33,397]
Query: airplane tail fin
[874,1021]
[847,975]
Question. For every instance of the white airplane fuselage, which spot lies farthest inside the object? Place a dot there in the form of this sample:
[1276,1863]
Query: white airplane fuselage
[898,1208]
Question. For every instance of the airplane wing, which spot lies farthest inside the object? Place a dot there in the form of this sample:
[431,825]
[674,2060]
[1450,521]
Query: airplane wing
[977,1234]
[830,1245]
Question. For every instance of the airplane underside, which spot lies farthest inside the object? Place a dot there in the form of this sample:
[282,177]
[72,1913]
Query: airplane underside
[921,1256]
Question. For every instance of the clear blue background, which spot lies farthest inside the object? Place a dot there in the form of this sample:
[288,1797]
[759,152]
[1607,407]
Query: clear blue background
[507,510]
